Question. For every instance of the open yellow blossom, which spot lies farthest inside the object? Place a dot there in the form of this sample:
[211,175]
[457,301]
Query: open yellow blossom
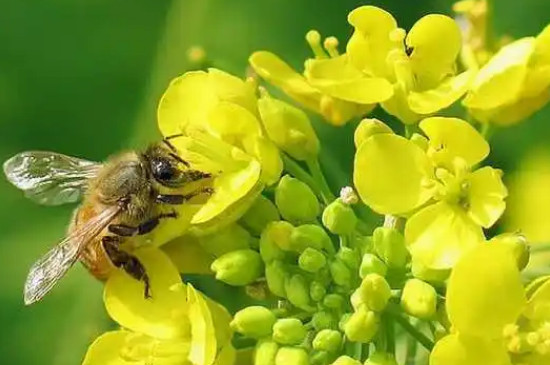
[522,68]
[421,65]
[177,325]
[448,204]
[495,320]
[330,85]
[217,115]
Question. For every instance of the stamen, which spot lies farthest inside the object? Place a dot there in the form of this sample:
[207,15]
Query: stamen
[314,39]
[348,195]
[331,45]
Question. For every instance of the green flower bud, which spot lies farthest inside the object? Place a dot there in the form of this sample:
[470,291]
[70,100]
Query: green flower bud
[346,360]
[381,358]
[339,218]
[371,264]
[265,352]
[343,320]
[517,243]
[231,238]
[333,301]
[349,257]
[419,299]
[295,200]
[368,128]
[254,322]
[319,358]
[420,141]
[238,268]
[421,271]
[288,127]
[257,217]
[341,274]
[289,331]
[297,291]
[275,235]
[310,235]
[323,320]
[390,246]
[375,292]
[276,276]
[317,291]
[365,244]
[362,325]
[312,260]
[291,355]
[328,340]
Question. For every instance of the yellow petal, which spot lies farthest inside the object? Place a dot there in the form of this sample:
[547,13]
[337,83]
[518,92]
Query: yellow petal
[370,43]
[161,316]
[106,348]
[280,74]
[443,95]
[203,333]
[542,47]
[188,255]
[142,349]
[439,234]
[398,105]
[486,196]
[269,157]
[232,89]
[505,71]
[485,292]
[232,122]
[435,42]
[227,356]
[455,137]
[457,349]
[389,172]
[538,307]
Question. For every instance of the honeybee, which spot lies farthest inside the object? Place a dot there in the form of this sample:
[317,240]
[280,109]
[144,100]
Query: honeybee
[121,198]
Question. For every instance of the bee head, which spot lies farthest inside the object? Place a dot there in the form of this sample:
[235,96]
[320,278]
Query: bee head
[166,167]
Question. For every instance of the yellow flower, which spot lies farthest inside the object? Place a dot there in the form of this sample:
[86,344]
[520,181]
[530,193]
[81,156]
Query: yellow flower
[420,65]
[217,114]
[330,85]
[446,201]
[514,83]
[472,19]
[177,325]
[494,318]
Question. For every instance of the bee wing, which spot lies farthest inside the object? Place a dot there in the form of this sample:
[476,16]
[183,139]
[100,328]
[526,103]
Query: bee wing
[47,271]
[50,178]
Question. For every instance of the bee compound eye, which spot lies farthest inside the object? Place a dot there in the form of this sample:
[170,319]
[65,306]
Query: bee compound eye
[162,169]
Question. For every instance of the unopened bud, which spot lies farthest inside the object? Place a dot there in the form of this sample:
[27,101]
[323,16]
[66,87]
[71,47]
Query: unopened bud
[238,268]
[346,360]
[340,273]
[231,238]
[362,326]
[517,243]
[423,272]
[311,260]
[333,301]
[349,256]
[291,355]
[254,322]
[365,244]
[323,320]
[317,291]
[296,201]
[289,331]
[381,358]
[371,264]
[309,235]
[289,128]
[339,218]
[328,340]
[419,299]
[259,215]
[375,292]
[297,291]
[368,128]
[390,246]
[276,276]
[275,237]
[265,352]
[319,358]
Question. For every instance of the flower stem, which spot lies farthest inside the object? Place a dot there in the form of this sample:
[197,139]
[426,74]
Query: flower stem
[411,329]
[317,173]
[294,169]
[390,334]
[490,37]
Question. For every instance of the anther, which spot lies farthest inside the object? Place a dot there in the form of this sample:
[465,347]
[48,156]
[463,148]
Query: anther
[331,45]
[313,38]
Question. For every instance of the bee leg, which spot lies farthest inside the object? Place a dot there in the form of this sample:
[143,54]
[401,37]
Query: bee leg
[149,225]
[126,262]
[122,230]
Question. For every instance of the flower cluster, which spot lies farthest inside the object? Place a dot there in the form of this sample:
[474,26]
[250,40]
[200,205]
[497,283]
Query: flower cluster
[313,280]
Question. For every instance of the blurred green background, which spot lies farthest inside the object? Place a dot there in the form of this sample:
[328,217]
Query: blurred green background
[83,77]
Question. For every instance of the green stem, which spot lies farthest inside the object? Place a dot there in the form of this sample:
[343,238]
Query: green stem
[319,177]
[539,247]
[412,330]
[294,169]
[490,34]
[390,335]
